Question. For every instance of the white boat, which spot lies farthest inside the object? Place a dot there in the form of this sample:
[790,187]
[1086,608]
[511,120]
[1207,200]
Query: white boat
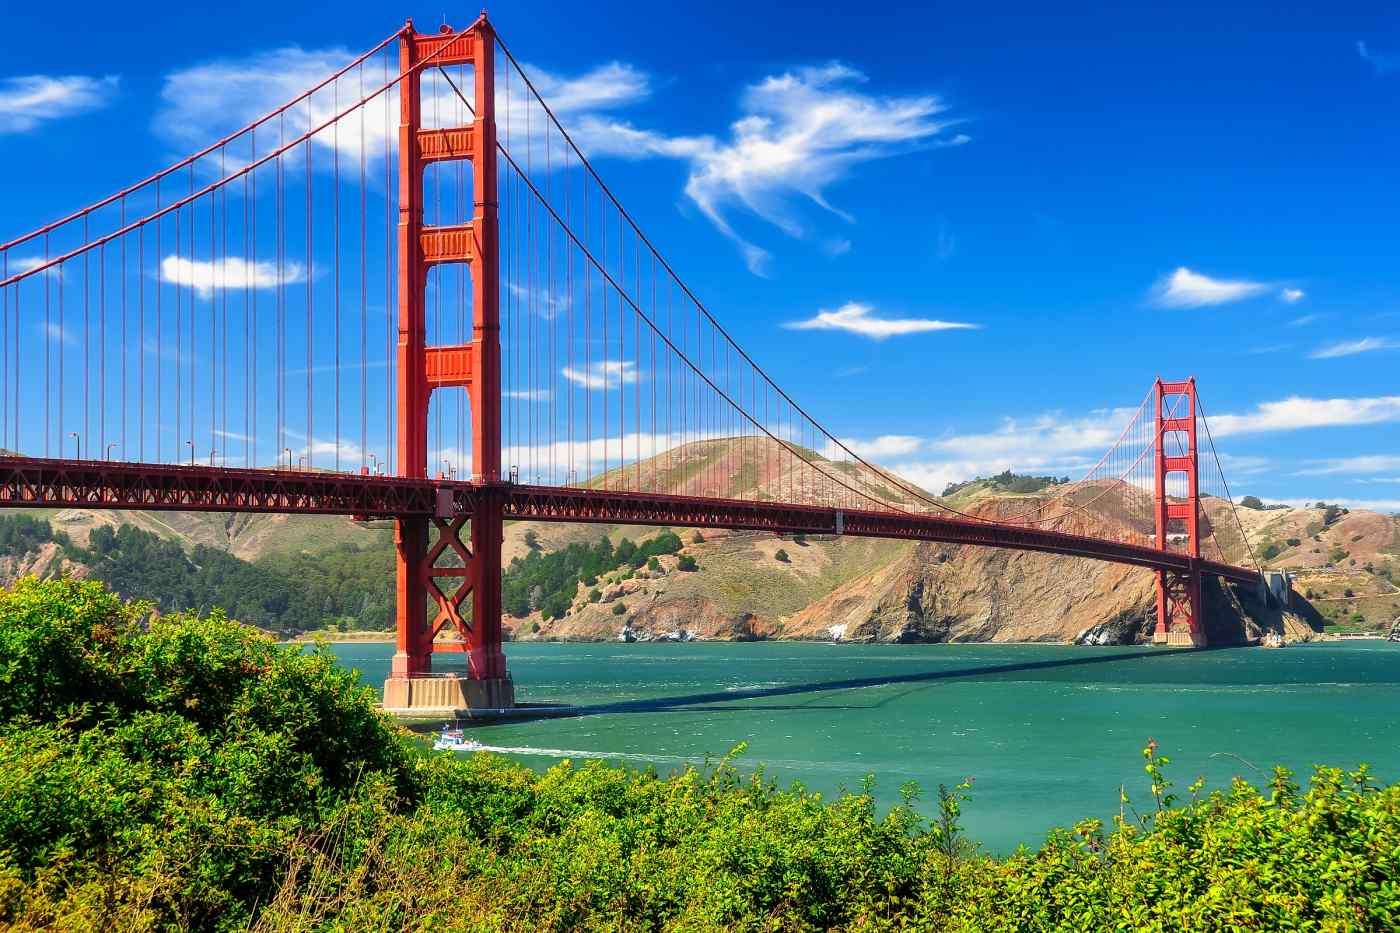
[455,740]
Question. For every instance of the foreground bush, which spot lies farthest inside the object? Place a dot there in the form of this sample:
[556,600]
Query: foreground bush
[186,773]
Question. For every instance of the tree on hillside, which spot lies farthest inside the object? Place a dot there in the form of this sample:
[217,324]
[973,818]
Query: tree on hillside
[1251,502]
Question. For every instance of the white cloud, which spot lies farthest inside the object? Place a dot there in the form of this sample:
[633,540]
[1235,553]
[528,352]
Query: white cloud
[1236,465]
[1291,295]
[21,264]
[54,332]
[1373,463]
[1381,63]
[799,132]
[530,395]
[201,103]
[1294,414]
[1353,347]
[1039,440]
[29,100]
[605,87]
[877,448]
[1187,289]
[1305,320]
[1057,444]
[857,318]
[604,374]
[323,450]
[208,277]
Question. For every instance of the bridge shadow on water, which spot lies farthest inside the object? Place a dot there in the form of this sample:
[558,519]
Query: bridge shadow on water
[733,701]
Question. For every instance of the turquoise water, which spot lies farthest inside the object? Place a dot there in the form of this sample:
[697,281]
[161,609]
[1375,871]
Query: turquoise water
[1049,732]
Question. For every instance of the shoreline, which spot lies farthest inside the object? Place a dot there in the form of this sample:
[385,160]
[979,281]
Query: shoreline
[388,638]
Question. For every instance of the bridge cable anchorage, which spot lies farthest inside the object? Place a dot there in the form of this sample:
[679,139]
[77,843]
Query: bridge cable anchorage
[546,361]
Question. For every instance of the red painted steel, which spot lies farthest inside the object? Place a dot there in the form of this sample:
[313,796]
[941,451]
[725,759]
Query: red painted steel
[1179,596]
[41,483]
[475,367]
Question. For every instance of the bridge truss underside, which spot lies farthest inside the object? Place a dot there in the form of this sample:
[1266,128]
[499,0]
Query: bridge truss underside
[39,483]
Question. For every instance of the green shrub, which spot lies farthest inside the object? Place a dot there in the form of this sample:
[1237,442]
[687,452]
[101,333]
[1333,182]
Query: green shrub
[619,609]
[780,555]
[687,563]
[187,773]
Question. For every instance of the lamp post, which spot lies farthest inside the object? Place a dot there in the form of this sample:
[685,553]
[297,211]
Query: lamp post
[78,440]
[288,452]
[373,463]
[109,449]
[190,445]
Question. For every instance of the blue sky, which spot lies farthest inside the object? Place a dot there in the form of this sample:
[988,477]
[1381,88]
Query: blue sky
[1099,196]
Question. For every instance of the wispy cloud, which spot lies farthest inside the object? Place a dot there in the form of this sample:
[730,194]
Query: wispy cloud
[207,277]
[1371,463]
[1292,295]
[1353,347]
[605,87]
[29,100]
[1056,443]
[604,374]
[30,263]
[1382,63]
[1305,320]
[530,395]
[53,331]
[857,318]
[1296,413]
[944,242]
[1187,289]
[877,448]
[200,103]
[799,132]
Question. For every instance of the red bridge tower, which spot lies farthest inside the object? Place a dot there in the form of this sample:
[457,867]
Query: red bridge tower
[1178,515]
[476,367]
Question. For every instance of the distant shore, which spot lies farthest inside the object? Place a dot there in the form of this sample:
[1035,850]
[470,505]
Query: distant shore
[309,638]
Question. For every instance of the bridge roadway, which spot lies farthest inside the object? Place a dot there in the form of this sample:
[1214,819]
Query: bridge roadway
[96,484]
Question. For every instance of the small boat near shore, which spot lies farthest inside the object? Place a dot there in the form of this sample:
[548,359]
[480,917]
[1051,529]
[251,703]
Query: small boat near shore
[455,740]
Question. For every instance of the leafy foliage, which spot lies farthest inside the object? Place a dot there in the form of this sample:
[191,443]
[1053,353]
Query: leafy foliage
[1007,481]
[187,773]
[553,578]
[346,585]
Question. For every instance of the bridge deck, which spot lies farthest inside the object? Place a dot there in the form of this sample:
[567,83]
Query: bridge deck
[43,483]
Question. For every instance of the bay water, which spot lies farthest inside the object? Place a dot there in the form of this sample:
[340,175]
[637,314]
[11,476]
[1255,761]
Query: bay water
[1048,732]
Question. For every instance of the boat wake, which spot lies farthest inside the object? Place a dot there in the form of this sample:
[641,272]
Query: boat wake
[584,753]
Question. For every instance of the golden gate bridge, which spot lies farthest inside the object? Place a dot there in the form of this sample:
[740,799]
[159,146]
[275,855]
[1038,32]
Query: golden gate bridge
[407,294]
